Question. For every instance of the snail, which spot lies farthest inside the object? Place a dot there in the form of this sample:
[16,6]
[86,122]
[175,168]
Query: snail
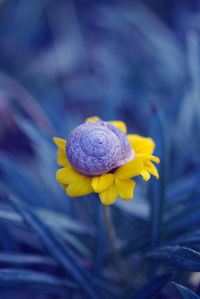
[98,147]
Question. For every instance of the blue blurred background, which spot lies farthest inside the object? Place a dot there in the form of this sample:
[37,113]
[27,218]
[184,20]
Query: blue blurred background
[61,62]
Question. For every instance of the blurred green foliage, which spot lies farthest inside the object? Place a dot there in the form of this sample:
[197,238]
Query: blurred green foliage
[61,62]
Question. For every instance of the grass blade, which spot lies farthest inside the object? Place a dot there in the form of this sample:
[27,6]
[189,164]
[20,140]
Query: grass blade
[178,257]
[150,288]
[20,277]
[60,252]
[25,259]
[158,188]
[184,292]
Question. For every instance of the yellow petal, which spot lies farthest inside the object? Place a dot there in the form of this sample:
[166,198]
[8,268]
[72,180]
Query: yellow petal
[145,174]
[141,145]
[125,188]
[130,169]
[80,188]
[103,182]
[109,196]
[150,167]
[61,143]
[64,186]
[119,124]
[62,159]
[147,158]
[68,175]
[93,118]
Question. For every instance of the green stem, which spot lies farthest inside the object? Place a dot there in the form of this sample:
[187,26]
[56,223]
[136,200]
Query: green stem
[111,233]
[121,265]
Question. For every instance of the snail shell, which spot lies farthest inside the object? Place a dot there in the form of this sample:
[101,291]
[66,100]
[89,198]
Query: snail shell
[97,147]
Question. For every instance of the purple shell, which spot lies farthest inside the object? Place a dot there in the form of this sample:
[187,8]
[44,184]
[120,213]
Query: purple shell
[97,147]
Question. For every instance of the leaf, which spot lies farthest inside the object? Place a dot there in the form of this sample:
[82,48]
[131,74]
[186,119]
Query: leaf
[150,288]
[26,277]
[184,292]
[183,188]
[7,240]
[75,242]
[134,244]
[59,220]
[62,225]
[187,218]
[29,277]
[192,238]
[25,259]
[19,179]
[182,258]
[59,251]
[158,188]
[53,219]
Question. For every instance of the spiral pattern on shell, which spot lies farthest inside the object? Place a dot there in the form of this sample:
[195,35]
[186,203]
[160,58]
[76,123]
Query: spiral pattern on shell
[97,147]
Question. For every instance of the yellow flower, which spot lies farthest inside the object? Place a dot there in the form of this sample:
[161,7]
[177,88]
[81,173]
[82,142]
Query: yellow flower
[116,183]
